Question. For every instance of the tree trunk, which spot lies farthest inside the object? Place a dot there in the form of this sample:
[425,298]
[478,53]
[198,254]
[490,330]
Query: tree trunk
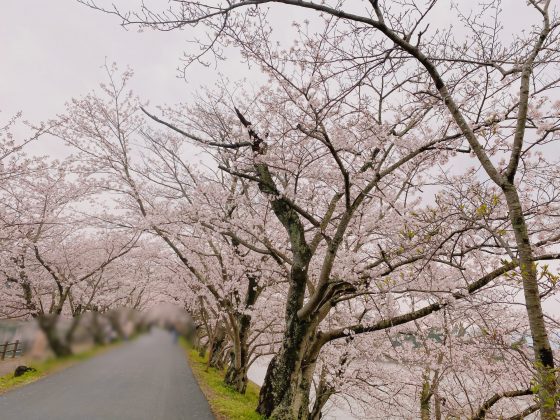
[296,401]
[293,403]
[425,397]
[322,394]
[437,407]
[69,336]
[285,394]
[215,358]
[285,366]
[47,324]
[544,361]
[97,331]
[198,342]
[236,375]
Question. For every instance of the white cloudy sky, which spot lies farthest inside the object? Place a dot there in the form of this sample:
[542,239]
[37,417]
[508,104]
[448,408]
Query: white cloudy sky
[53,50]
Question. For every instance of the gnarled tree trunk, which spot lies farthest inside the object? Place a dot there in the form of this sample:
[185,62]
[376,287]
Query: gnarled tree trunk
[286,391]
[284,366]
[236,375]
[48,324]
[217,344]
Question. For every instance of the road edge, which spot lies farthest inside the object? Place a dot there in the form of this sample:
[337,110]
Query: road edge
[225,403]
[50,366]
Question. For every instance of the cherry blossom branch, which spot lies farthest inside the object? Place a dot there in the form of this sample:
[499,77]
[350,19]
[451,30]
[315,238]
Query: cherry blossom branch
[195,138]
[483,410]
[434,307]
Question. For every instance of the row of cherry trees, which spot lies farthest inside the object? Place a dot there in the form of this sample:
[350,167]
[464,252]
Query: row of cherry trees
[357,144]
[381,215]
[58,257]
[372,279]
[207,221]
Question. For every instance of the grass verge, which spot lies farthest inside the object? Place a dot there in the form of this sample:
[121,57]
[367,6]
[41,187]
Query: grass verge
[8,382]
[225,402]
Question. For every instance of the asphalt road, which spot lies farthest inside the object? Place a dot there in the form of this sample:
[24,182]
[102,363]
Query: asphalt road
[146,379]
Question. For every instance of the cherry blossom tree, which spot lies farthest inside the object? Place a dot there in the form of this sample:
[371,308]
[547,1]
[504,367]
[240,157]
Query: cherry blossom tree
[54,248]
[322,190]
[155,191]
[13,159]
[131,283]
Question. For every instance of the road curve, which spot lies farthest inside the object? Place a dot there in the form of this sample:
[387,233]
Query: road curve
[146,379]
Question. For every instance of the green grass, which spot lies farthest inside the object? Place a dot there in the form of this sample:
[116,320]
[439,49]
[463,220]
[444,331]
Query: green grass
[226,403]
[8,382]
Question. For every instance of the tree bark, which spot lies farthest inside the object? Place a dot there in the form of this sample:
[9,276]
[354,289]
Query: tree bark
[544,361]
[69,336]
[48,324]
[286,392]
[425,397]
[198,338]
[236,375]
[437,407]
[215,358]
[284,376]
[285,365]
[322,394]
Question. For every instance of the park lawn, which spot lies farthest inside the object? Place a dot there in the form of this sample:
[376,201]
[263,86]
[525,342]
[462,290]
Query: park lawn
[226,403]
[8,382]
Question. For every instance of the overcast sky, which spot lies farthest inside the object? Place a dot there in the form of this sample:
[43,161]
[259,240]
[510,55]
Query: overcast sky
[53,50]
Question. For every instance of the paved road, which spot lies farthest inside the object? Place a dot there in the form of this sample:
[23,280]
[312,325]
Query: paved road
[146,379]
